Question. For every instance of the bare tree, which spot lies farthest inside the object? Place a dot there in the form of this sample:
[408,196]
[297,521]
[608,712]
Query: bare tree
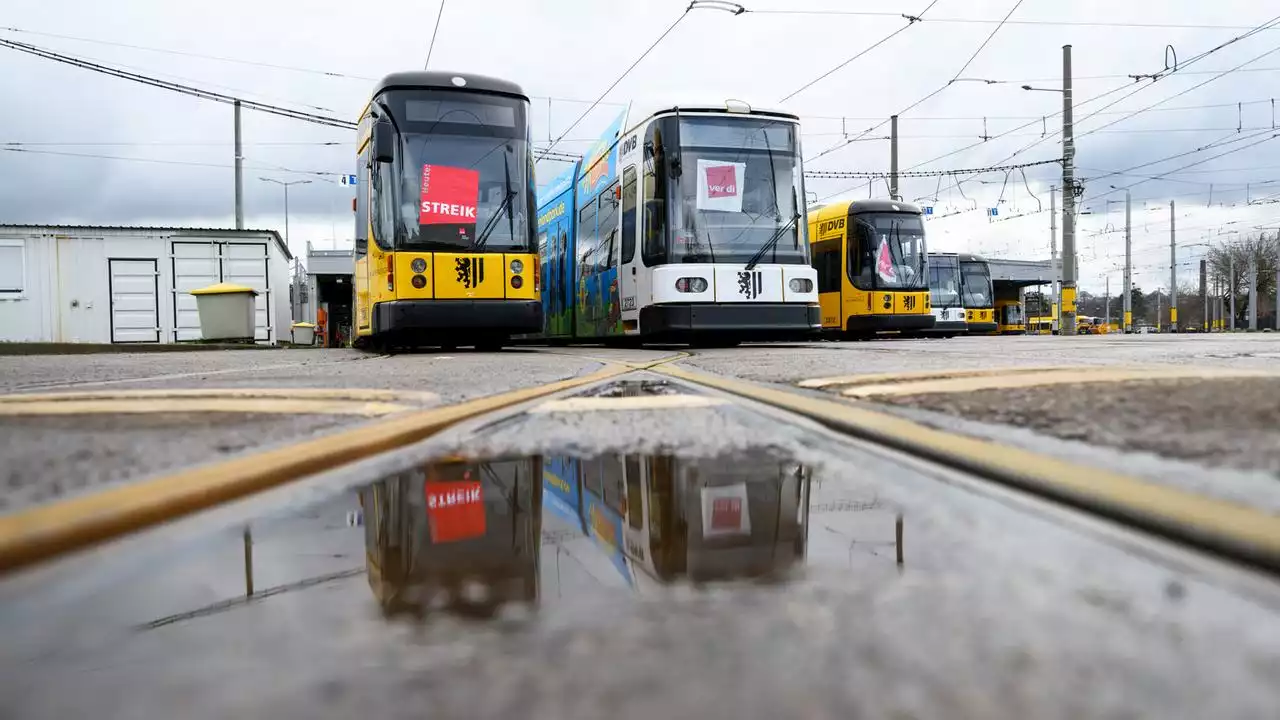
[1265,251]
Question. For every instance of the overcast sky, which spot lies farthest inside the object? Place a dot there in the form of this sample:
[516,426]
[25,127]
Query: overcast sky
[573,49]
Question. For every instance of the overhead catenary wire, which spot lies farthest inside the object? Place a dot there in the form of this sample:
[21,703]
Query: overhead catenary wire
[995,21]
[956,78]
[427,63]
[165,161]
[176,87]
[911,20]
[1153,77]
[617,80]
[830,174]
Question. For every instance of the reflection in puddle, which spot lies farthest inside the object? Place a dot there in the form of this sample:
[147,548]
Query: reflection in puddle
[466,536]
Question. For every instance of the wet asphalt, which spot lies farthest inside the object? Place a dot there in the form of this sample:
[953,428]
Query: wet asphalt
[1003,607]
[770,587]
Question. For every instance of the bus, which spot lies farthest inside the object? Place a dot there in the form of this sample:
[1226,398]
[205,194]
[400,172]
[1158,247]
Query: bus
[682,223]
[444,214]
[977,295]
[872,267]
[944,295]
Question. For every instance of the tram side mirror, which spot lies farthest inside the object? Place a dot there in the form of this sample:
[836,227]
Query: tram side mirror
[384,141]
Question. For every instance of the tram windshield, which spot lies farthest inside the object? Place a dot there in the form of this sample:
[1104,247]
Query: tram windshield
[976,285]
[944,282]
[887,251]
[463,170]
[738,192]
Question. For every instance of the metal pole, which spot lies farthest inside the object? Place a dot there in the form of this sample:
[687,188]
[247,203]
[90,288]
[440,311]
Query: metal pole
[1277,318]
[1128,262]
[239,172]
[1205,295]
[1068,305]
[1253,293]
[1107,301]
[893,157]
[1231,289]
[248,562]
[1053,258]
[1173,272]
[286,218]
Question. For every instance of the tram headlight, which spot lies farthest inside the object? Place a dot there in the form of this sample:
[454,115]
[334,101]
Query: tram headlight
[418,281]
[418,265]
[517,282]
[888,302]
[517,267]
[691,285]
[800,285]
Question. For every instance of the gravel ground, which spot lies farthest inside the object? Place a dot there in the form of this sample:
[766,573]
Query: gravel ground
[792,363]
[998,612]
[1232,423]
[50,457]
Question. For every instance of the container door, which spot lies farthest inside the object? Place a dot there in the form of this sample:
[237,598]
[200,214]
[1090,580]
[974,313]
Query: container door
[135,300]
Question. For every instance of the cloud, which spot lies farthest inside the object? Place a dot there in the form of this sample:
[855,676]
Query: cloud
[575,48]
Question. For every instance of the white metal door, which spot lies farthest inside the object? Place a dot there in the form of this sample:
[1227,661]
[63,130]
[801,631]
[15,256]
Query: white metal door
[79,314]
[199,264]
[195,265]
[135,300]
[246,264]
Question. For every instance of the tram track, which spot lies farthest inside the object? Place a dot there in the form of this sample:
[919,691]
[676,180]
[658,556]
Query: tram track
[1233,533]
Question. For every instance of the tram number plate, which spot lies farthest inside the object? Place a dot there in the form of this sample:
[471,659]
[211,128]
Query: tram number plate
[628,303]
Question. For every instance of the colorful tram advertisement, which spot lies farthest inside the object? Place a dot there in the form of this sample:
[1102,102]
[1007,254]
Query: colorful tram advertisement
[660,519]
[872,267]
[944,295]
[445,214]
[683,224]
[978,296]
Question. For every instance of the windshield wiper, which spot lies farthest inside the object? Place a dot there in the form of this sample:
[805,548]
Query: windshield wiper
[478,246]
[772,243]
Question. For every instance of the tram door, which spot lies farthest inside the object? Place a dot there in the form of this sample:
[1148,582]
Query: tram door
[630,267]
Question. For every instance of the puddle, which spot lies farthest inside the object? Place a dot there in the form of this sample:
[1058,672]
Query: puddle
[637,388]
[555,585]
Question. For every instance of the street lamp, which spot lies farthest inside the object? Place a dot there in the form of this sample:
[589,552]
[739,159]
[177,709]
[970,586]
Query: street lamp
[286,201]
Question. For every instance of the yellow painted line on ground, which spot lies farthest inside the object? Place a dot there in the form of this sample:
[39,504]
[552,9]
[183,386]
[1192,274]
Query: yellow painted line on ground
[269,406]
[639,402]
[1237,531]
[306,393]
[44,532]
[1088,375]
[868,378]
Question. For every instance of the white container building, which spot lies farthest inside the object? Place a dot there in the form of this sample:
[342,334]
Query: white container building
[90,284]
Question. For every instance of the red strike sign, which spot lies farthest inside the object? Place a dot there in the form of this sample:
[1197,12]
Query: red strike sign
[449,195]
[726,513]
[722,181]
[456,510]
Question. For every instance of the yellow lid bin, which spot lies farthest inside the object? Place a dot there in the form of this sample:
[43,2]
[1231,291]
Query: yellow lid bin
[226,311]
[304,333]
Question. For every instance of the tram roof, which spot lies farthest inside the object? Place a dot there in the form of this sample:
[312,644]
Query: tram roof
[441,80]
[644,110]
[970,257]
[872,205]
